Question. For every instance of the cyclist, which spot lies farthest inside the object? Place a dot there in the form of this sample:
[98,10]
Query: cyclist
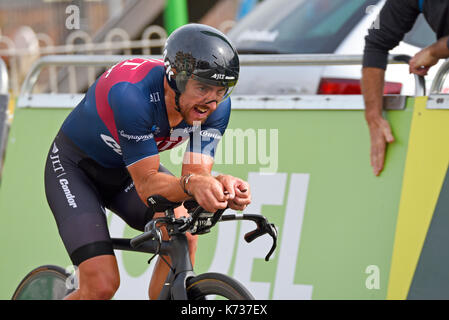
[106,154]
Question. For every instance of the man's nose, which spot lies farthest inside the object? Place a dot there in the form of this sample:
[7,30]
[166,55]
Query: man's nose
[212,104]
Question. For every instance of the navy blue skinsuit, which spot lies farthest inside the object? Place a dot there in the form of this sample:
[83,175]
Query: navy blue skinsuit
[121,120]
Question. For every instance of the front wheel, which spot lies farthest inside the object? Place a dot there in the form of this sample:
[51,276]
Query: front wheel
[44,283]
[216,286]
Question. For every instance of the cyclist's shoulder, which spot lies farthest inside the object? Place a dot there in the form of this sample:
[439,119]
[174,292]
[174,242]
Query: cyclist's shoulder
[137,82]
[133,71]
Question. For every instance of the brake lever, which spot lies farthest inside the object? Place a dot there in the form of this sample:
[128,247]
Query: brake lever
[150,232]
[263,227]
[274,236]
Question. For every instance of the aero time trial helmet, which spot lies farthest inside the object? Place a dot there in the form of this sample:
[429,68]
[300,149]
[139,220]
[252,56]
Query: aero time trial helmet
[200,52]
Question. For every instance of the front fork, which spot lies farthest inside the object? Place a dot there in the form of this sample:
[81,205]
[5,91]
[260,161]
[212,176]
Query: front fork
[175,285]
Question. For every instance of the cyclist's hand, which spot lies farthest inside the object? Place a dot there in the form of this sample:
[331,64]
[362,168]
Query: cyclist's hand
[208,192]
[380,134]
[239,191]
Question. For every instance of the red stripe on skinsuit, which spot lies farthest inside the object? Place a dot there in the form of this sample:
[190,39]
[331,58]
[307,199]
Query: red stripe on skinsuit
[167,143]
[133,71]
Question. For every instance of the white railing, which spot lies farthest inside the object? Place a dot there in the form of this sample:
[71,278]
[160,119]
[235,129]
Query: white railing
[335,102]
[116,40]
[4,99]
[438,99]
[3,78]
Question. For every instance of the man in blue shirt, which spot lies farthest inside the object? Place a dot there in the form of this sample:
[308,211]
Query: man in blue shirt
[106,154]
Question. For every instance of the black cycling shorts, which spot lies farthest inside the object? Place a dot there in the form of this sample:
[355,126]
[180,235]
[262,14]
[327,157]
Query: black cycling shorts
[78,190]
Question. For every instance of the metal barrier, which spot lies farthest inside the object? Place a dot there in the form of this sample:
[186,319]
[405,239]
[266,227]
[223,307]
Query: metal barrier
[4,99]
[27,99]
[438,100]
[3,78]
[153,37]
[440,78]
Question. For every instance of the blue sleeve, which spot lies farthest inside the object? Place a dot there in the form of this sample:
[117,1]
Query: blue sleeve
[205,141]
[133,122]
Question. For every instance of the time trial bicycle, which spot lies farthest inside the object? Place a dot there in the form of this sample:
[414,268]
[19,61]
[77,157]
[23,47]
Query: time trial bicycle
[49,282]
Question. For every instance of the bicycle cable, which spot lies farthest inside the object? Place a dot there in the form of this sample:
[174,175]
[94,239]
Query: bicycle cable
[163,259]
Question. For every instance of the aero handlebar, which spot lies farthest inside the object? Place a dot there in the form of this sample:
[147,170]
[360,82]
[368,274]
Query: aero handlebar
[199,222]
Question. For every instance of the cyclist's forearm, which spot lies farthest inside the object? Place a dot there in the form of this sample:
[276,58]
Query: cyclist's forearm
[372,88]
[163,184]
[197,163]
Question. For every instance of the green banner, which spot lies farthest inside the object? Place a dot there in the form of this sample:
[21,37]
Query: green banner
[29,237]
[309,173]
[336,220]
[420,259]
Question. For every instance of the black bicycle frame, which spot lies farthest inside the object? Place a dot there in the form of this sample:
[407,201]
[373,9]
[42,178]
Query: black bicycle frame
[180,269]
[177,249]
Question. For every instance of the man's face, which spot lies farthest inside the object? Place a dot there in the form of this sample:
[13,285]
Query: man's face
[199,100]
